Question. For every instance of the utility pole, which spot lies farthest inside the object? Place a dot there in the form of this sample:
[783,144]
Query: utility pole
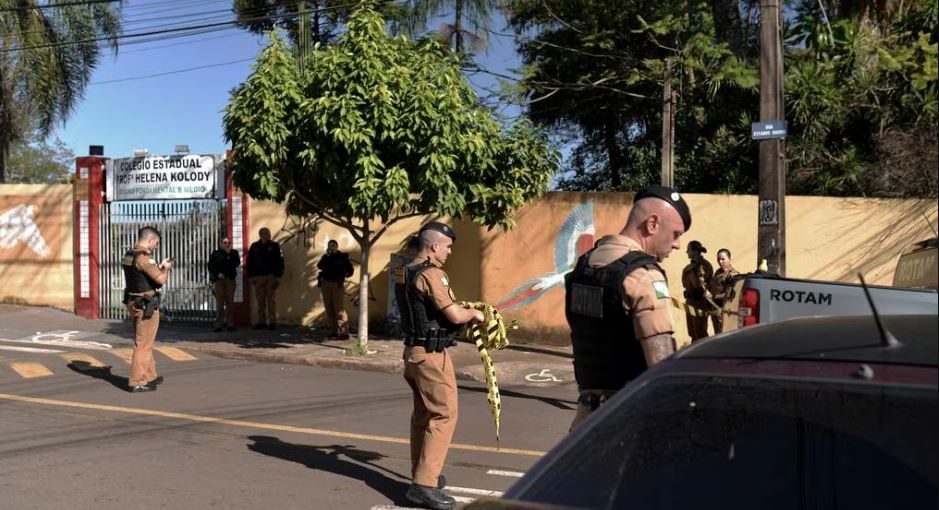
[303,35]
[771,213]
[668,128]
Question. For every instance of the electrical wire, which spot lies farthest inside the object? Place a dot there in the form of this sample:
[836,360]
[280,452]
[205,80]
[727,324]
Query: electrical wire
[176,71]
[178,30]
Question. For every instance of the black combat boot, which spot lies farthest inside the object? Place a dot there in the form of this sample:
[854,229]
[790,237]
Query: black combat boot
[429,497]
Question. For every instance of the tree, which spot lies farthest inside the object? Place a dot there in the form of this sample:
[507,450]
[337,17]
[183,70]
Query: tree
[35,160]
[47,55]
[375,130]
[477,12]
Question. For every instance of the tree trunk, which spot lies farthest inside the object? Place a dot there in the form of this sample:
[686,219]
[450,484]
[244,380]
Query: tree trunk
[613,152]
[728,25]
[458,26]
[365,245]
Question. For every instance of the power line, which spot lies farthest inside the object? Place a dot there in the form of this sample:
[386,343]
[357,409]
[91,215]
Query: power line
[56,6]
[177,71]
[177,30]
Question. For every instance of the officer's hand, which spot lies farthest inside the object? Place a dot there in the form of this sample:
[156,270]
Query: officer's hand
[478,316]
[221,276]
[708,294]
[167,263]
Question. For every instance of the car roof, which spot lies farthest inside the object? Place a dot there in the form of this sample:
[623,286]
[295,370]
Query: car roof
[833,338]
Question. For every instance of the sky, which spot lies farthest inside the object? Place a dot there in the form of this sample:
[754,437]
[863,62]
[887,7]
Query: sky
[156,95]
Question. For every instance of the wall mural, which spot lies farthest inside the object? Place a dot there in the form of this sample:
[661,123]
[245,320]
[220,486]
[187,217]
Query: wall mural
[575,238]
[17,225]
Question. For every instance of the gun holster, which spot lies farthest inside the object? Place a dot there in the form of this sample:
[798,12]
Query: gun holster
[147,304]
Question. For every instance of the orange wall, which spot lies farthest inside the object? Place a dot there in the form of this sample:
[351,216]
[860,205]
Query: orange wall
[827,238]
[36,244]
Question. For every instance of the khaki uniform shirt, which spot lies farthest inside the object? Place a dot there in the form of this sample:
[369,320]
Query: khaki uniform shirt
[435,284]
[148,265]
[645,291]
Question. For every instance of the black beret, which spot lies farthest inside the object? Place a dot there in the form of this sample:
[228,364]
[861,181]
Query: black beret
[443,228]
[669,195]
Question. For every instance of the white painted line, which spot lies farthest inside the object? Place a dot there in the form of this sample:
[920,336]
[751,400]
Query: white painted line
[27,349]
[461,499]
[71,344]
[513,474]
[475,492]
[393,507]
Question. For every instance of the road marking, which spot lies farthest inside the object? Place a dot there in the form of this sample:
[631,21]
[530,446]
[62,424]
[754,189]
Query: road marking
[544,376]
[72,357]
[125,353]
[71,344]
[258,425]
[28,349]
[475,492]
[461,499]
[30,370]
[175,354]
[513,474]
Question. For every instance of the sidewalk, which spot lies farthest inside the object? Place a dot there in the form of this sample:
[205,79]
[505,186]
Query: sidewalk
[521,365]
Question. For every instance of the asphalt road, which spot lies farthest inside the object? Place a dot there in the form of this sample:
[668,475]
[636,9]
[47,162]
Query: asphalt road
[234,434]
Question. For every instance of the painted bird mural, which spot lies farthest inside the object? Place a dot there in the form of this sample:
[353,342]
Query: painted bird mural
[575,238]
[17,225]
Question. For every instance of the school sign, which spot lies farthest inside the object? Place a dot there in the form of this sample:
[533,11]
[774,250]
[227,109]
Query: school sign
[165,178]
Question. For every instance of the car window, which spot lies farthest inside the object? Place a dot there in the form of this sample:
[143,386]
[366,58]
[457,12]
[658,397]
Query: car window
[739,443]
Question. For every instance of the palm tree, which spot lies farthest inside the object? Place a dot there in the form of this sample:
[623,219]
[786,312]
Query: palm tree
[47,55]
[477,12]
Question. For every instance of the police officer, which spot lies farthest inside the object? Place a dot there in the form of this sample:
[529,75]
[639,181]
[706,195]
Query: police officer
[223,267]
[695,278]
[429,315]
[617,299]
[265,266]
[144,276]
[334,268]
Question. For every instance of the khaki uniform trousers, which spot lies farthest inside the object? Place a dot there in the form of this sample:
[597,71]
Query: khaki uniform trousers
[334,300]
[433,383]
[224,302]
[697,326]
[142,364]
[264,290]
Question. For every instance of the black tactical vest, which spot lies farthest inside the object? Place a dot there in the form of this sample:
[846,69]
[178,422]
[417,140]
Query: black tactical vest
[606,352]
[420,319]
[137,281]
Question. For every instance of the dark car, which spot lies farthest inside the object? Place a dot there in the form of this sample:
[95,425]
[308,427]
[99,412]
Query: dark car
[814,412]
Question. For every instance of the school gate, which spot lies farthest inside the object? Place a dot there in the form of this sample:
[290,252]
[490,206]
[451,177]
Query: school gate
[188,198]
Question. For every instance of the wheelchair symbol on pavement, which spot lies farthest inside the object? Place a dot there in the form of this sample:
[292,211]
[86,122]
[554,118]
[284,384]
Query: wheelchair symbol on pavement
[544,376]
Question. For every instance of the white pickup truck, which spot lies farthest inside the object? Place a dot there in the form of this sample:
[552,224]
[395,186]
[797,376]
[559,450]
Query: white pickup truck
[763,298]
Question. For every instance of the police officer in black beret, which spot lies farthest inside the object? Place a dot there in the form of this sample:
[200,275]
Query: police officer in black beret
[617,299]
[430,314]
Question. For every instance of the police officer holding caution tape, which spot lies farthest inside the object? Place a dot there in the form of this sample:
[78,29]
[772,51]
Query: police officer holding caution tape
[617,299]
[429,315]
[144,277]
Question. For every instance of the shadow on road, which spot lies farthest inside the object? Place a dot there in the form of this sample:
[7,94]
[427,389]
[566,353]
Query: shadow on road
[85,368]
[567,405]
[342,460]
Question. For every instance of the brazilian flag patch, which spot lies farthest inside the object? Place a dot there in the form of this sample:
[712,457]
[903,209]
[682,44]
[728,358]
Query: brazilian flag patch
[661,289]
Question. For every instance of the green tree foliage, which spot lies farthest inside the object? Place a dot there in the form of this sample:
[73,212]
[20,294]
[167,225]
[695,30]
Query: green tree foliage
[377,129]
[860,92]
[35,160]
[47,55]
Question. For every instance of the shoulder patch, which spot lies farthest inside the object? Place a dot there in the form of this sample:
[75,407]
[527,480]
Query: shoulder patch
[152,261]
[446,283]
[661,289]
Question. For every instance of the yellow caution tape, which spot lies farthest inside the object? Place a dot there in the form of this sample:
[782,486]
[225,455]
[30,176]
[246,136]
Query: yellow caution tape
[489,334]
